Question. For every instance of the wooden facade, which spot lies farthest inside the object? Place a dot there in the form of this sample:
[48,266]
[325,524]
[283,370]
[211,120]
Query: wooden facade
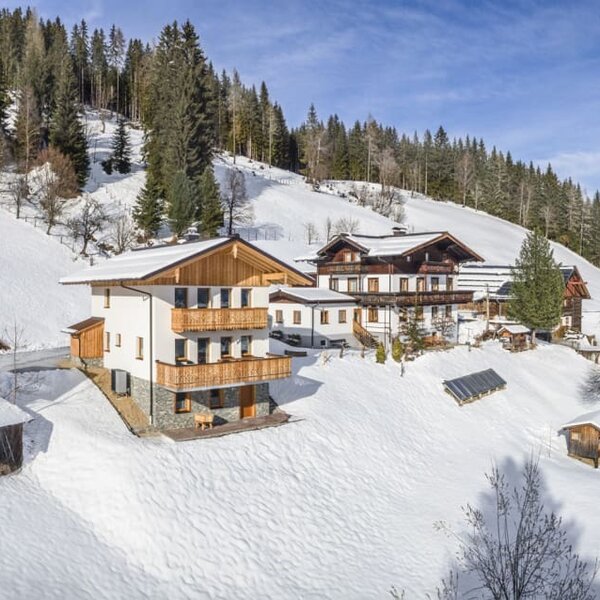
[223,373]
[583,442]
[218,319]
[87,339]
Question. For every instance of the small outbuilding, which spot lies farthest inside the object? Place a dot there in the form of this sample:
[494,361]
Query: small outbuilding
[515,338]
[12,419]
[474,386]
[583,438]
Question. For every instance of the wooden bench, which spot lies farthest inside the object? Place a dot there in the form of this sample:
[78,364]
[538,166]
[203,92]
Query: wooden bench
[203,420]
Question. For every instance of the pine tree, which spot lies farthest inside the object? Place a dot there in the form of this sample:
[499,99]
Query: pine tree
[211,212]
[181,203]
[538,286]
[27,130]
[121,149]
[66,129]
[148,210]
[4,102]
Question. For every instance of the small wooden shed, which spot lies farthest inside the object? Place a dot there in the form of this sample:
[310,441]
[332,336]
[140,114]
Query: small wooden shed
[583,438]
[87,338]
[515,337]
[12,419]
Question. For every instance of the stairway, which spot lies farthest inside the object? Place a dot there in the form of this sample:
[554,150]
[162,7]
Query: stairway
[363,336]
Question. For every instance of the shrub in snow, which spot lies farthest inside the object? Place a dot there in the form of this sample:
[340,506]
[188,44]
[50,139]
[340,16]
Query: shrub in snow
[380,355]
[397,349]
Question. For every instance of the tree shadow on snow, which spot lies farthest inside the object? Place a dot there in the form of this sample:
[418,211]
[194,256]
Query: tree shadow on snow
[589,390]
[486,502]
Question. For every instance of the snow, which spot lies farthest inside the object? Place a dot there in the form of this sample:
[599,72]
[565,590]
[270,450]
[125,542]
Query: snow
[342,503]
[514,329]
[393,245]
[11,414]
[307,294]
[590,418]
[140,264]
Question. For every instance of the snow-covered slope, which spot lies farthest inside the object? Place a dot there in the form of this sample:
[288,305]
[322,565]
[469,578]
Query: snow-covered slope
[30,295]
[340,504]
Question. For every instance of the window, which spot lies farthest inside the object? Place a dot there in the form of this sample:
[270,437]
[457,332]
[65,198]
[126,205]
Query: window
[183,403]
[139,348]
[373,314]
[347,256]
[202,351]
[324,317]
[118,340]
[181,298]
[575,436]
[225,298]
[246,344]
[420,284]
[297,317]
[341,316]
[279,316]
[225,347]
[203,298]
[419,313]
[246,297]
[334,284]
[216,399]
[373,283]
[404,284]
[449,311]
[180,350]
[449,283]
[107,298]
[352,284]
[357,316]
[435,284]
[434,312]
[106,341]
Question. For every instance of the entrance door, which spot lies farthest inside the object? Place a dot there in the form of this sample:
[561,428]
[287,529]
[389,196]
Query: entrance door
[247,404]
[358,315]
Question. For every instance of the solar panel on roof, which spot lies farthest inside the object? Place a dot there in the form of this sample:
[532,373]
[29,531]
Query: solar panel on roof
[469,387]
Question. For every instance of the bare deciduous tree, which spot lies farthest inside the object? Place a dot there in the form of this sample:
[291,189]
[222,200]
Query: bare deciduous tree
[312,235]
[14,338]
[388,168]
[328,228]
[56,182]
[19,192]
[346,225]
[123,234]
[522,551]
[236,204]
[88,222]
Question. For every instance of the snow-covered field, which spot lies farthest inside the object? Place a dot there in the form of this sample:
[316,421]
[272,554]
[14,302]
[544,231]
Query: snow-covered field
[340,504]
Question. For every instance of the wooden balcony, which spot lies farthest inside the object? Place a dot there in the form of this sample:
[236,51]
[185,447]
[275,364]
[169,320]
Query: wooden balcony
[217,319]
[342,268]
[434,268]
[226,372]
[413,298]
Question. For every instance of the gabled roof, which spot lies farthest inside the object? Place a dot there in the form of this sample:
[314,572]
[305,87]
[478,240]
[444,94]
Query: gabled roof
[311,295]
[469,387]
[514,329]
[11,414]
[397,245]
[591,418]
[139,265]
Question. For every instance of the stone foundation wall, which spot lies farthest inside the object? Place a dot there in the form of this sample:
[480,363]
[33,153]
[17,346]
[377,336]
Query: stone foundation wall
[88,362]
[165,416]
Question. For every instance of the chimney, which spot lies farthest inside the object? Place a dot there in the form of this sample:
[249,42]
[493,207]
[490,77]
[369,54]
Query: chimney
[399,230]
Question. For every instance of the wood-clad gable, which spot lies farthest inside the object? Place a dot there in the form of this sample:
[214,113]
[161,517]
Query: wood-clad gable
[232,264]
[575,286]
[87,338]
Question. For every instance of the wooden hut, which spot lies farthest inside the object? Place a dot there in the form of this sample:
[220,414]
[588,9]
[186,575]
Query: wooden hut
[583,438]
[12,419]
[87,339]
[514,337]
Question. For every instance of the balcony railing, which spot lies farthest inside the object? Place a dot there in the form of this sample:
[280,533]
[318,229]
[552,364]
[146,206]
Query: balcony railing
[413,298]
[342,268]
[217,319]
[435,267]
[226,372]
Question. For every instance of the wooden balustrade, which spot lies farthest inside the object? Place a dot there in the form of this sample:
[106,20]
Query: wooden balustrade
[226,372]
[217,319]
[413,298]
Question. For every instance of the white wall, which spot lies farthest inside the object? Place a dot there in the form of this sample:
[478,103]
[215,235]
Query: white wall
[128,315]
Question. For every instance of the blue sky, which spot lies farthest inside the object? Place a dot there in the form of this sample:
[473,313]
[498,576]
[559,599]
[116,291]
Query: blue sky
[522,75]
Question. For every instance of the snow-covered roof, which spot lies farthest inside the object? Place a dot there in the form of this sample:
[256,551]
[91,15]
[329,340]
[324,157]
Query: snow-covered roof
[591,418]
[393,245]
[514,329]
[11,414]
[143,264]
[312,294]
[483,279]
[140,264]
